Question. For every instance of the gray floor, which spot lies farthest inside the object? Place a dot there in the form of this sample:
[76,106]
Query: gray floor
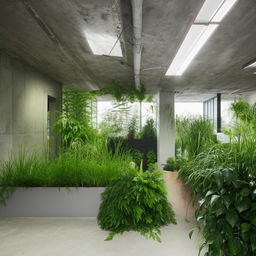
[82,236]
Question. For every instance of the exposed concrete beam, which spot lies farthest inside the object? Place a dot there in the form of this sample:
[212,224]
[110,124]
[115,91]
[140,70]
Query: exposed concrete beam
[137,41]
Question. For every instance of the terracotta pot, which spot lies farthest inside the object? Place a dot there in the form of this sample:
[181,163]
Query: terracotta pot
[179,195]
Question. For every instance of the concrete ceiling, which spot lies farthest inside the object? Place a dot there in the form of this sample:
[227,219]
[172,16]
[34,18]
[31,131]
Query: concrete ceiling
[49,35]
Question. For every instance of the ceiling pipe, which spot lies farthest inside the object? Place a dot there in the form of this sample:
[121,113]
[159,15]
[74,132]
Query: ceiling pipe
[137,41]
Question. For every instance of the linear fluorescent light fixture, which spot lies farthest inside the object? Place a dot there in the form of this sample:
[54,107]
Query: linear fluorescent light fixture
[206,22]
[251,64]
[103,44]
[214,11]
[223,10]
[194,41]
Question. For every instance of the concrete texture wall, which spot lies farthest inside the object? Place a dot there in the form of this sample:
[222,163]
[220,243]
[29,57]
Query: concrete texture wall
[250,97]
[53,202]
[23,106]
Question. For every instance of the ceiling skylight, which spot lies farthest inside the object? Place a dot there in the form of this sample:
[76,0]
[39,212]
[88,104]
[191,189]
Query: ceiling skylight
[104,44]
[206,22]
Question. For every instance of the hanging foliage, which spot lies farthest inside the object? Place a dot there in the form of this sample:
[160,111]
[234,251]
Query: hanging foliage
[126,93]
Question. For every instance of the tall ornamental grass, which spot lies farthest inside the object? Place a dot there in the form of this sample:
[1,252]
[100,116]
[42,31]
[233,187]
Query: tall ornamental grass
[194,135]
[90,164]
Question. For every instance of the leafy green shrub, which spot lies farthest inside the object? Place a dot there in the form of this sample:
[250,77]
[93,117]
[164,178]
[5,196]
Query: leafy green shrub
[132,128]
[137,156]
[174,164]
[224,178]
[149,130]
[228,201]
[136,202]
[151,161]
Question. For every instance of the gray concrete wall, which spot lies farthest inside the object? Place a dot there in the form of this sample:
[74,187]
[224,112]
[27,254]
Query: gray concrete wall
[53,202]
[23,106]
[250,97]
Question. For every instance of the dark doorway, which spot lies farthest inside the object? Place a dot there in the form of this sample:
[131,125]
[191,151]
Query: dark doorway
[52,141]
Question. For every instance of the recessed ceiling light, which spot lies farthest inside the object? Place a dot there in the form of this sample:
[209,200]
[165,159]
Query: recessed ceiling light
[104,44]
[206,22]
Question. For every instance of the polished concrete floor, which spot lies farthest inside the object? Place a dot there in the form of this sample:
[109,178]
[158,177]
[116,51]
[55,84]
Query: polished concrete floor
[82,236]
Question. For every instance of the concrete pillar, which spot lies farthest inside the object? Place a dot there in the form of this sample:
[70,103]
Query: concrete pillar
[166,127]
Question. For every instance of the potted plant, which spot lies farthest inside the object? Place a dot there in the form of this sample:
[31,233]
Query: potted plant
[180,194]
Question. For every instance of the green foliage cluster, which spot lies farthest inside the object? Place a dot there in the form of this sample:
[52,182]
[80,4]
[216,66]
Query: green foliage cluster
[137,155]
[151,160]
[149,130]
[126,93]
[194,135]
[224,178]
[74,122]
[91,164]
[244,111]
[112,124]
[136,202]
[174,164]
[132,128]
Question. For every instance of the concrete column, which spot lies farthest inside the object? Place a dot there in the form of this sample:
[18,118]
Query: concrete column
[166,127]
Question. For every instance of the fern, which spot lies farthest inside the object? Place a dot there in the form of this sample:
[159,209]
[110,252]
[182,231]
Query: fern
[136,202]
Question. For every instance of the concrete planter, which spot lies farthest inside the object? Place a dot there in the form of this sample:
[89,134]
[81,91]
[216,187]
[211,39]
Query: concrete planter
[180,196]
[84,201]
[53,202]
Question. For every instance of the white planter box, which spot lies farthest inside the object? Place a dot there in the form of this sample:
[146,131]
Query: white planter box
[53,202]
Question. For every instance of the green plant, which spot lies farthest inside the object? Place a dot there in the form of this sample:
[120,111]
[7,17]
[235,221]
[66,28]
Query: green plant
[112,124]
[149,130]
[170,165]
[151,157]
[137,156]
[136,202]
[244,111]
[132,128]
[90,164]
[227,209]
[224,179]
[126,93]
[174,164]
[194,135]
[74,122]
[182,128]
[151,161]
